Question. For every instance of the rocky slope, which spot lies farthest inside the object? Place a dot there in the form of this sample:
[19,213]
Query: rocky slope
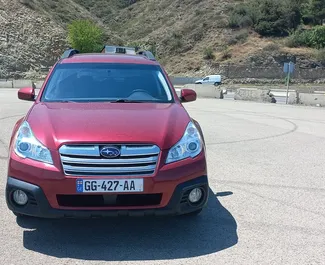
[28,41]
[33,34]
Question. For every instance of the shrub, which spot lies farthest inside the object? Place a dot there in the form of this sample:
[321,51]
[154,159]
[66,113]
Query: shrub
[245,21]
[85,36]
[314,38]
[267,17]
[208,54]
[241,37]
[317,37]
[314,12]
[176,42]
[299,38]
[233,21]
[225,54]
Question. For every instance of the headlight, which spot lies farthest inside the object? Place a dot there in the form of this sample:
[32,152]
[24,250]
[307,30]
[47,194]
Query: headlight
[189,146]
[27,146]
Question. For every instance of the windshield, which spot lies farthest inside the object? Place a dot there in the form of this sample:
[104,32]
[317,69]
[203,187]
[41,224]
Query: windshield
[90,82]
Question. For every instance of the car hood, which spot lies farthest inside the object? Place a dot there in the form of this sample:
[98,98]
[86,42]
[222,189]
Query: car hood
[56,123]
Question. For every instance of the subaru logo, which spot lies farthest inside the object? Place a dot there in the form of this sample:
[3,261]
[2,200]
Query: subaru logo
[110,152]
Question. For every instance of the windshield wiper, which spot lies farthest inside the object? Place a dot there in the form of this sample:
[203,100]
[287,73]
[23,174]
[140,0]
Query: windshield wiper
[63,101]
[124,100]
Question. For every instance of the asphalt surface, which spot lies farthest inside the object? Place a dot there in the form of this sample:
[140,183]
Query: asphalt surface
[267,203]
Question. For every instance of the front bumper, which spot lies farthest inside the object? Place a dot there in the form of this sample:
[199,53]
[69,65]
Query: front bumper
[39,206]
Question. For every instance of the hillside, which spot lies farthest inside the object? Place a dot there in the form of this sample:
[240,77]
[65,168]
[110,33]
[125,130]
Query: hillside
[33,33]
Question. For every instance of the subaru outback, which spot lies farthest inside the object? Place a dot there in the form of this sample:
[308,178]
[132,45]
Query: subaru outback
[106,135]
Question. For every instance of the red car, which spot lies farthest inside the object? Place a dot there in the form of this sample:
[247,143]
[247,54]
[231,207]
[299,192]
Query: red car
[107,135]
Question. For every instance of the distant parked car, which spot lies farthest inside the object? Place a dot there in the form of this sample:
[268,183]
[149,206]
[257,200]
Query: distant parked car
[210,79]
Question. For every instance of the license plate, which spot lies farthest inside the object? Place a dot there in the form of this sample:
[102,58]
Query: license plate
[109,185]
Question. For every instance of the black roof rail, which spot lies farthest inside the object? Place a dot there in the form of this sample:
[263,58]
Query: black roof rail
[68,53]
[148,54]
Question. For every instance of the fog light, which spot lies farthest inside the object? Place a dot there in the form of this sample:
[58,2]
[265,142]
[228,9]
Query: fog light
[20,197]
[195,195]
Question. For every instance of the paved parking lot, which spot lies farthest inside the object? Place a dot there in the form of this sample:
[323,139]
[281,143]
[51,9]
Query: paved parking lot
[267,202]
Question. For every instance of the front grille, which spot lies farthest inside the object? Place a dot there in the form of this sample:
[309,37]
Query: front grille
[120,200]
[85,160]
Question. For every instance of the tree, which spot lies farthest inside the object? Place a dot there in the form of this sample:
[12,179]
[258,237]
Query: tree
[314,12]
[85,36]
[317,8]
[268,17]
[277,17]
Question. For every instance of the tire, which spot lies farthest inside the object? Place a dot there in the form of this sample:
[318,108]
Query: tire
[198,83]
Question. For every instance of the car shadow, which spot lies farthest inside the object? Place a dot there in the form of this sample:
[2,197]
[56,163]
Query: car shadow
[140,238]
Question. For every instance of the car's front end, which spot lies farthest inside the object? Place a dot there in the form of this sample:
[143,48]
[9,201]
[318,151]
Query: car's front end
[77,180]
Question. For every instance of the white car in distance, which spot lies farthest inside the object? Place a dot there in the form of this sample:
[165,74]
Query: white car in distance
[210,79]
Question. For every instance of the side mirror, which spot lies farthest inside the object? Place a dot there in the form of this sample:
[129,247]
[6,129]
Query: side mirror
[187,95]
[26,93]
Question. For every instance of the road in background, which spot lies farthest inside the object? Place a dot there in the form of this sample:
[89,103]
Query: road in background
[267,200]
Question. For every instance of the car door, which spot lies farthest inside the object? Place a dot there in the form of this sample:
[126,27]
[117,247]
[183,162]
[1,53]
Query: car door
[206,80]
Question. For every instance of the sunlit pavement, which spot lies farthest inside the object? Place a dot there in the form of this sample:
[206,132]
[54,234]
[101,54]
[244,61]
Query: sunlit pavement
[267,201]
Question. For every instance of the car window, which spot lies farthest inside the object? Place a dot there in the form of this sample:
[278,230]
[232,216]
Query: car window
[206,79]
[91,82]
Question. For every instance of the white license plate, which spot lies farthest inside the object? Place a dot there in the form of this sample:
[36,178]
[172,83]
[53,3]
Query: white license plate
[109,185]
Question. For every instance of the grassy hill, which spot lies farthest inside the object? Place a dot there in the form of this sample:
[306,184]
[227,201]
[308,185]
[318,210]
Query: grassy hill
[191,37]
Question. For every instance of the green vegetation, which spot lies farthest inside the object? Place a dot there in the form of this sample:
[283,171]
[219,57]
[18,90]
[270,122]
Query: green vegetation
[240,37]
[208,54]
[85,36]
[314,12]
[186,35]
[313,38]
[281,18]
[267,17]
